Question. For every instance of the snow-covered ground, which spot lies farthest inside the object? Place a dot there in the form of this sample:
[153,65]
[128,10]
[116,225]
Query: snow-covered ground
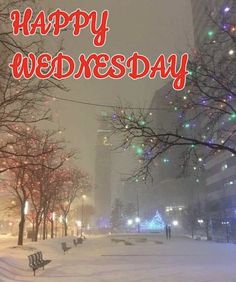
[101,259]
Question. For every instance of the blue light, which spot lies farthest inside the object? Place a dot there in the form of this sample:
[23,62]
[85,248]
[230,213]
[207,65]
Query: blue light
[154,224]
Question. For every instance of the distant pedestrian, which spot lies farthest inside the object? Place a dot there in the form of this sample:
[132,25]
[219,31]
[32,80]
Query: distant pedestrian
[169,231]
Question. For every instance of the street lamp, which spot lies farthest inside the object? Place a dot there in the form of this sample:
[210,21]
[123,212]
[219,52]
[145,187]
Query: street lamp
[175,223]
[130,222]
[82,215]
[26,207]
[78,224]
[137,221]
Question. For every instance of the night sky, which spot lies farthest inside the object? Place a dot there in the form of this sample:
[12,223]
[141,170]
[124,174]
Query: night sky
[150,27]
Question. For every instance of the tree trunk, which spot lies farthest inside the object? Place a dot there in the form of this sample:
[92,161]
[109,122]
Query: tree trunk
[21,228]
[33,230]
[65,228]
[52,228]
[44,227]
[36,231]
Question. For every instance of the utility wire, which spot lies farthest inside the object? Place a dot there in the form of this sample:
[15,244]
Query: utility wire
[103,105]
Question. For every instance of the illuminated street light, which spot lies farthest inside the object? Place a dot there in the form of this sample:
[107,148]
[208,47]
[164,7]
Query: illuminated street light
[130,222]
[175,223]
[200,221]
[79,223]
[82,215]
[231,52]
[137,219]
[26,207]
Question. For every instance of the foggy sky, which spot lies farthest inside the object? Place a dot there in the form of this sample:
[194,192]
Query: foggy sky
[150,27]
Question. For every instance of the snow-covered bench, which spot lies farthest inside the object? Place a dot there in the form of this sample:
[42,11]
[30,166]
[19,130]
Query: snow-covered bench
[77,241]
[36,261]
[64,247]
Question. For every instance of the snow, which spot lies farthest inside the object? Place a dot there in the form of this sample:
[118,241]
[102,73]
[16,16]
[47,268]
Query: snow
[149,258]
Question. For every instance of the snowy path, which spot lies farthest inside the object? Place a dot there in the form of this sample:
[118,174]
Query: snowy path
[99,259]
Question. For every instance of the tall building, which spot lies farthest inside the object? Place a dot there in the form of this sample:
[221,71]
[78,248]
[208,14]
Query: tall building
[220,174]
[221,187]
[102,197]
[170,191]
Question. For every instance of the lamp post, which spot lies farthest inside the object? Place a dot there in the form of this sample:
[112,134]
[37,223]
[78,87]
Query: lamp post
[138,217]
[78,224]
[82,215]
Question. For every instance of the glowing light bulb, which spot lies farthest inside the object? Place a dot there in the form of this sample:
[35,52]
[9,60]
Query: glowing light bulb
[231,52]
[139,151]
[210,33]
[175,223]
[142,122]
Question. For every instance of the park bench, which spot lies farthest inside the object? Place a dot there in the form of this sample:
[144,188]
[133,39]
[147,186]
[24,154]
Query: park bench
[77,241]
[64,247]
[80,240]
[117,240]
[36,261]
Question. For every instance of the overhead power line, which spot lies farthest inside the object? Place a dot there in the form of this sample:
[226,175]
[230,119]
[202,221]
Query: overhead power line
[103,105]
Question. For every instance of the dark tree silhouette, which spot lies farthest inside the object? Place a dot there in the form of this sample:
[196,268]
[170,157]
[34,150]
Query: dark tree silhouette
[204,112]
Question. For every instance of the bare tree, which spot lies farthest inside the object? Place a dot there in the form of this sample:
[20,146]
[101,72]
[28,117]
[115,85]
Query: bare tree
[31,158]
[204,112]
[42,176]
[21,102]
[77,183]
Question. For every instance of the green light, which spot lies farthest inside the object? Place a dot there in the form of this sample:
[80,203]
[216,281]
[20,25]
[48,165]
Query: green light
[210,33]
[187,125]
[233,116]
[190,73]
[142,122]
[192,146]
[139,151]
[176,109]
